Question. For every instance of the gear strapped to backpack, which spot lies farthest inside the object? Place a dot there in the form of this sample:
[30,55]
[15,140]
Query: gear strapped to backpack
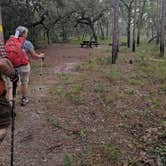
[16,52]
[2,88]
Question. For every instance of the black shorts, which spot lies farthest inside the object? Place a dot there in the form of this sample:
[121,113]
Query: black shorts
[5,115]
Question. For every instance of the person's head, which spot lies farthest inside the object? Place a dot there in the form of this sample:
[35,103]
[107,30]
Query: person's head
[21,31]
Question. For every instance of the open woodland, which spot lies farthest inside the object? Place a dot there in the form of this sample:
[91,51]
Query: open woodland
[101,99]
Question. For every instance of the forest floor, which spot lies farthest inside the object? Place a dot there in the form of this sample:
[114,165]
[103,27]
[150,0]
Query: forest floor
[84,111]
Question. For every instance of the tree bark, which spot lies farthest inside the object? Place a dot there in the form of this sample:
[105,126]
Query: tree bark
[102,31]
[129,16]
[93,32]
[158,22]
[134,27]
[107,30]
[129,27]
[115,31]
[48,36]
[139,23]
[162,26]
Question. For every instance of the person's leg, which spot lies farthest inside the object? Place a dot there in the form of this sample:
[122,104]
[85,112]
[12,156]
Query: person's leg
[24,89]
[24,78]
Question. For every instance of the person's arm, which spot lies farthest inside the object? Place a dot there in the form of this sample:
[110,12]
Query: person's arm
[35,54]
[30,49]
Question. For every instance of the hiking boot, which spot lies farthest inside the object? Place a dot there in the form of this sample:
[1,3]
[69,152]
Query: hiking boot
[24,101]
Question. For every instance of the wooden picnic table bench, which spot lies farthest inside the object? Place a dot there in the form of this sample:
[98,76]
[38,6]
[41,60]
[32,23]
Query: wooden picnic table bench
[88,43]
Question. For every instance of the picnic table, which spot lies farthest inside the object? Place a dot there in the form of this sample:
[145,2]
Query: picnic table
[88,43]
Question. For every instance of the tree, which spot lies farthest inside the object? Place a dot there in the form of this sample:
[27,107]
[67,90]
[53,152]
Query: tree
[162,30]
[115,31]
[128,4]
[89,12]
[134,26]
[139,22]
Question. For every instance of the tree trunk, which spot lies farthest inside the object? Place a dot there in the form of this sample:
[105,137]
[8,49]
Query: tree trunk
[64,34]
[107,30]
[102,31]
[162,25]
[158,22]
[93,32]
[134,27]
[152,31]
[129,27]
[139,23]
[48,36]
[115,31]
[147,29]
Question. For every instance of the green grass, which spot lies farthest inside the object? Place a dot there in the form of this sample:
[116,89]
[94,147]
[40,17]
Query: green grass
[53,121]
[134,162]
[112,153]
[67,160]
[112,74]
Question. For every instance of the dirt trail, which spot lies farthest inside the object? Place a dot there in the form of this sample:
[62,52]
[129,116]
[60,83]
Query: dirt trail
[36,144]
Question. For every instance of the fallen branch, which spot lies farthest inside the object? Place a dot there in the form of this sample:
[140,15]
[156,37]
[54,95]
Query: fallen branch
[150,40]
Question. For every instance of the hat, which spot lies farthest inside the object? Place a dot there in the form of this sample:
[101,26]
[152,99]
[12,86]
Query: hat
[20,30]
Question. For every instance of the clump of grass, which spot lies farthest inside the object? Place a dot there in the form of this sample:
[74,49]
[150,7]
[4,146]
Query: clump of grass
[163,123]
[53,121]
[99,87]
[160,151]
[103,61]
[73,93]
[70,88]
[67,160]
[134,162]
[135,82]
[94,65]
[112,74]
[131,92]
[112,153]
[90,65]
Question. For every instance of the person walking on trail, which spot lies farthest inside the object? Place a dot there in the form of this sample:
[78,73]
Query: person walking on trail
[22,65]
[7,69]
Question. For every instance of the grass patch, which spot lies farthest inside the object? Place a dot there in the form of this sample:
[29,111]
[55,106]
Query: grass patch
[53,121]
[112,153]
[135,162]
[160,153]
[112,74]
[68,160]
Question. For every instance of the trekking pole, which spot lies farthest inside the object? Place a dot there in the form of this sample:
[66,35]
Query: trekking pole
[41,71]
[13,124]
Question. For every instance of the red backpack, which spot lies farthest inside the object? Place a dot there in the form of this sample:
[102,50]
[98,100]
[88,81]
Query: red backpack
[16,52]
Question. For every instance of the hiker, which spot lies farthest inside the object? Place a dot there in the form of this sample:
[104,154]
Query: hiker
[6,68]
[22,65]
